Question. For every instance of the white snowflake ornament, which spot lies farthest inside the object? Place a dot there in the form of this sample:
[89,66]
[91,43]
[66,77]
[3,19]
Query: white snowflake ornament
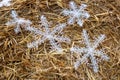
[18,22]
[90,52]
[50,34]
[76,14]
[5,3]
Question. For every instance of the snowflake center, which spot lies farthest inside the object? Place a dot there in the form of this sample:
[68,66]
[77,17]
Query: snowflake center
[91,50]
[49,36]
[76,14]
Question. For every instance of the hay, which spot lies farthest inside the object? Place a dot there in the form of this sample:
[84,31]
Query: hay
[17,62]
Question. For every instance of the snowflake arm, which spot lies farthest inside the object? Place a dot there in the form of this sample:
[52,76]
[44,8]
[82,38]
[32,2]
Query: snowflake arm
[81,61]
[55,46]
[76,14]
[58,28]
[5,3]
[45,23]
[36,43]
[77,50]
[34,30]
[72,5]
[98,40]
[102,54]
[86,39]
[18,22]
[71,20]
[62,39]
[94,63]
[82,7]
[79,22]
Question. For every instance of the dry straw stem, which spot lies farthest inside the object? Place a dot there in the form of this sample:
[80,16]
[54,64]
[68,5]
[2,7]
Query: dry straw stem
[17,62]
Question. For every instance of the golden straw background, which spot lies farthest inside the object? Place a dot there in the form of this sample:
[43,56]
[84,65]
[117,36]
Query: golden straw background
[17,62]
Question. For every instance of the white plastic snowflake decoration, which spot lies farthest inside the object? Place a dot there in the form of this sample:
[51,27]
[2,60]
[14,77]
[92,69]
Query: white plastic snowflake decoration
[52,35]
[90,52]
[5,3]
[18,22]
[76,13]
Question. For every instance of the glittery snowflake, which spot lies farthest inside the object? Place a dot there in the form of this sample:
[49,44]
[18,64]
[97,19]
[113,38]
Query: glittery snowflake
[50,34]
[90,52]
[5,3]
[76,13]
[18,22]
